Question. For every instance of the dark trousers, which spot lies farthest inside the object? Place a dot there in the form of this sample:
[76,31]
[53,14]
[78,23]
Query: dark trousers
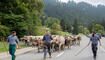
[66,42]
[47,46]
[12,49]
[94,50]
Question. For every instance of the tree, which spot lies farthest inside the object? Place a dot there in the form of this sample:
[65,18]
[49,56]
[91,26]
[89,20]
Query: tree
[103,23]
[65,24]
[12,13]
[84,11]
[56,26]
[90,25]
[52,23]
[75,27]
[86,31]
[98,28]
[81,29]
[21,15]
[4,31]
[35,8]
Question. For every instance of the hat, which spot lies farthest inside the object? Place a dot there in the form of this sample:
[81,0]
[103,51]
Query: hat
[13,31]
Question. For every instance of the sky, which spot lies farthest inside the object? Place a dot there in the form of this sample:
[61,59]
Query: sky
[93,2]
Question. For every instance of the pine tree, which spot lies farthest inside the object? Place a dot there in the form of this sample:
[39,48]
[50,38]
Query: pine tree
[75,27]
[65,25]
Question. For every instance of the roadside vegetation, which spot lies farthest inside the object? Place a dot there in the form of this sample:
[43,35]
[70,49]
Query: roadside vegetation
[27,17]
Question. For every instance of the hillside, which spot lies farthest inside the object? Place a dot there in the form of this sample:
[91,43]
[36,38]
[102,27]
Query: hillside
[82,11]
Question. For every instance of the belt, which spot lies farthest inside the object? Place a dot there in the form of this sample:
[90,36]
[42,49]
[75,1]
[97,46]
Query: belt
[12,44]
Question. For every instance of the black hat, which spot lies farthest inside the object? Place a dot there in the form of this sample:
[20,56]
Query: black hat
[13,31]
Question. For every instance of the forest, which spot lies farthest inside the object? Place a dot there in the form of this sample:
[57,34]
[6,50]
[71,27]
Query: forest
[87,16]
[33,17]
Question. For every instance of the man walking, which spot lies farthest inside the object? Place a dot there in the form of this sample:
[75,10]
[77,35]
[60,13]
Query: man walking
[94,39]
[13,41]
[66,40]
[47,44]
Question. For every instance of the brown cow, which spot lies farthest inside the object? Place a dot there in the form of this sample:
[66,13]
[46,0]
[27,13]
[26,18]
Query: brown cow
[69,42]
[26,39]
[78,40]
[60,41]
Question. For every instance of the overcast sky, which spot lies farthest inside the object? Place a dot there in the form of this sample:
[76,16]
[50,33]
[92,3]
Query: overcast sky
[93,2]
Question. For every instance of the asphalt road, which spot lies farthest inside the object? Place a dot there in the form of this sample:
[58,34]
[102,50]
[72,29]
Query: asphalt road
[67,54]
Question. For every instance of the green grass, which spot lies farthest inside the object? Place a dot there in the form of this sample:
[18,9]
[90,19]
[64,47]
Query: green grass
[3,49]
[63,33]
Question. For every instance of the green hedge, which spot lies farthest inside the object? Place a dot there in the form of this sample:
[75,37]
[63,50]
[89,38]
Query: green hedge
[55,32]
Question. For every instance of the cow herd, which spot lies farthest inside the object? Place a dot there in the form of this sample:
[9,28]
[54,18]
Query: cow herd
[57,44]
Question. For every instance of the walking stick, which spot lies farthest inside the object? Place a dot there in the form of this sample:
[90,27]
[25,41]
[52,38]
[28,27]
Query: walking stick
[81,51]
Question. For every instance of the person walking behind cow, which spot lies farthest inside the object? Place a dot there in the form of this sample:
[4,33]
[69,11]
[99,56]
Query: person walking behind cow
[94,39]
[47,44]
[66,40]
[13,41]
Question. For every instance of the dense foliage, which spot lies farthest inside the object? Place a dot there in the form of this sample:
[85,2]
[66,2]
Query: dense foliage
[27,17]
[84,12]
[22,16]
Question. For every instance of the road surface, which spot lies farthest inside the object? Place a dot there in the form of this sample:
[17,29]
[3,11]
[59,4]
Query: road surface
[67,54]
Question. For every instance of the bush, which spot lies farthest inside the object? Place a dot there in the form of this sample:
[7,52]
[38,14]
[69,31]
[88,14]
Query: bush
[37,30]
[55,32]
[98,28]
[4,31]
[86,31]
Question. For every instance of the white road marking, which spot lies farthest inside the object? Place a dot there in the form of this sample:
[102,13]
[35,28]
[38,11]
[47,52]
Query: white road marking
[60,54]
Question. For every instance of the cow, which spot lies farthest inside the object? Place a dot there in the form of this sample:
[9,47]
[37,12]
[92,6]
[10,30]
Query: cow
[60,42]
[39,42]
[78,40]
[29,40]
[68,40]
[26,40]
